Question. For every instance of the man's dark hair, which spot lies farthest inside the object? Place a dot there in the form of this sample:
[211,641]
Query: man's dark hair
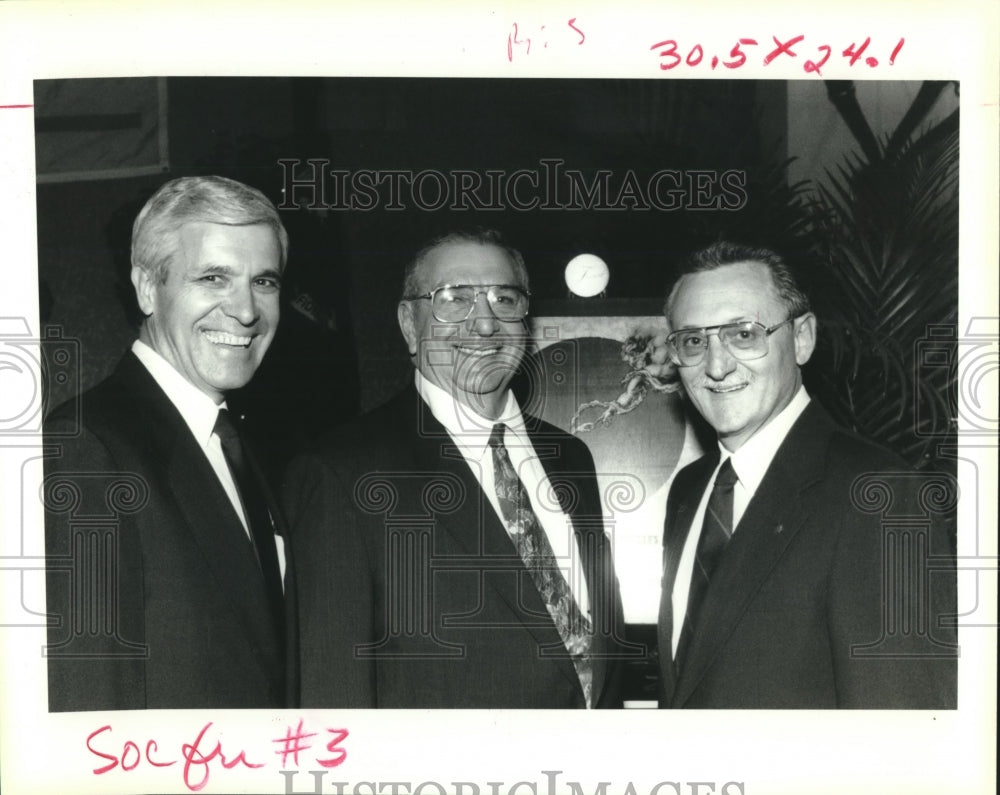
[723,253]
[484,237]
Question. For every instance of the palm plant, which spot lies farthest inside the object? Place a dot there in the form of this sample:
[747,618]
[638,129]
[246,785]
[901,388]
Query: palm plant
[886,245]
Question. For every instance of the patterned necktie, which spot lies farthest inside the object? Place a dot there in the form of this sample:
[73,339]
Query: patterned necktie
[254,509]
[715,533]
[536,552]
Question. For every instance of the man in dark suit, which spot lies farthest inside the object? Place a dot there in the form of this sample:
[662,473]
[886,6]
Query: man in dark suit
[451,548]
[164,582]
[804,567]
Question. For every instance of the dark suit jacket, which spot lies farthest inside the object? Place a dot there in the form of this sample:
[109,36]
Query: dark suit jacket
[834,591]
[154,594]
[411,593]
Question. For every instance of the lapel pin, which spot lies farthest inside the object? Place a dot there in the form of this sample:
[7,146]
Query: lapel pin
[779,529]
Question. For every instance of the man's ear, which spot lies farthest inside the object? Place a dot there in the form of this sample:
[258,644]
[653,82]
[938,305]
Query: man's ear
[404,314]
[804,329]
[145,290]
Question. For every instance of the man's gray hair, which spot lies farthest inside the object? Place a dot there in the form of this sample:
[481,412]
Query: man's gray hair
[484,237]
[723,253]
[209,199]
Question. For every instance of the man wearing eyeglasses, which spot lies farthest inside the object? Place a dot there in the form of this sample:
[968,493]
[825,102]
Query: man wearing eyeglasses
[454,547]
[786,584]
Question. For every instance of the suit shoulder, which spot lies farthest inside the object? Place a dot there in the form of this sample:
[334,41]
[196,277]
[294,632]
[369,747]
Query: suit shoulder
[90,432]
[817,448]
[375,435]
[693,471]
[104,410]
[851,450]
[545,433]
[540,429]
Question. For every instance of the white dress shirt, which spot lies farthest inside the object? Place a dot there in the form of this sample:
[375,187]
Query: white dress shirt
[750,462]
[471,434]
[200,413]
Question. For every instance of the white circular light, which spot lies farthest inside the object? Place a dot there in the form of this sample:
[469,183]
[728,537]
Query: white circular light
[587,275]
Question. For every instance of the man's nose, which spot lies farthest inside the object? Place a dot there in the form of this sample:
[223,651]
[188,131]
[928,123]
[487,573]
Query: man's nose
[482,320]
[241,303]
[719,362]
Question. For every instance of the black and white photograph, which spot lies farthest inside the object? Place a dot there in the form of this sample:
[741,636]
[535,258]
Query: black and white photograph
[361,423]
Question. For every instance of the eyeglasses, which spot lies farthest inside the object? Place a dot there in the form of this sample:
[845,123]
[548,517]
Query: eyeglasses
[453,303]
[746,341]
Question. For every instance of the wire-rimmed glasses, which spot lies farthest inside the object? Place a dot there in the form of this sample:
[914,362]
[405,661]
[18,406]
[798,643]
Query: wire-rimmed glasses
[453,303]
[746,341]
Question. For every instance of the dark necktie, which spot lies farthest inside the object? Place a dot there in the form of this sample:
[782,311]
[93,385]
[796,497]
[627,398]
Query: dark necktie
[536,552]
[715,533]
[254,509]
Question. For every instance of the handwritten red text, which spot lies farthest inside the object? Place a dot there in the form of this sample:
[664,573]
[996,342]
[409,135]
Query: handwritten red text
[197,759]
[523,38]
[673,54]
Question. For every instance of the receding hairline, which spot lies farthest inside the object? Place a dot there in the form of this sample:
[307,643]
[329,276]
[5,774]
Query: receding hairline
[416,271]
[760,266]
[723,253]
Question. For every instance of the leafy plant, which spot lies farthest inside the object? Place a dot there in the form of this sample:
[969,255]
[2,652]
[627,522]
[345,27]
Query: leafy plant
[886,277]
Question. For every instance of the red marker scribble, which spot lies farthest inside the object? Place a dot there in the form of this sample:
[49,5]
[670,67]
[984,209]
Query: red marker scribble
[152,746]
[197,763]
[812,66]
[114,759]
[293,744]
[193,757]
[131,755]
[14,107]
[572,24]
[512,39]
[783,47]
[671,54]
[339,754]
[895,52]
[855,54]
[738,56]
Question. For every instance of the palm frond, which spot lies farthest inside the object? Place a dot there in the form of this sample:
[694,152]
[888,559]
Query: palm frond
[887,231]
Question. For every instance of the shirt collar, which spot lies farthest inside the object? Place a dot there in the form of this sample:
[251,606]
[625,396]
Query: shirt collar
[198,409]
[754,457]
[468,428]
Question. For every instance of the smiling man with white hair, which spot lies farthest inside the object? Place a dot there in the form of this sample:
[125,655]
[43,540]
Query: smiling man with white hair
[177,599]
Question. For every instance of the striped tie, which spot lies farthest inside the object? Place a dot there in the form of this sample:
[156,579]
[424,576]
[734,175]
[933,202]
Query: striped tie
[715,533]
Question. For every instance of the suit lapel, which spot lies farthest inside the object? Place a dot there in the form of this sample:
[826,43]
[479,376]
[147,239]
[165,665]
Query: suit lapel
[479,533]
[772,520]
[225,546]
[208,514]
[685,494]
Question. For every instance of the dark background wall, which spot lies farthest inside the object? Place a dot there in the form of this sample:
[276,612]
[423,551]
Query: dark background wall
[349,261]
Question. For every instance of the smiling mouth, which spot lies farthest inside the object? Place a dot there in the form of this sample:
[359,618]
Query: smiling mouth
[479,350]
[725,390]
[228,340]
